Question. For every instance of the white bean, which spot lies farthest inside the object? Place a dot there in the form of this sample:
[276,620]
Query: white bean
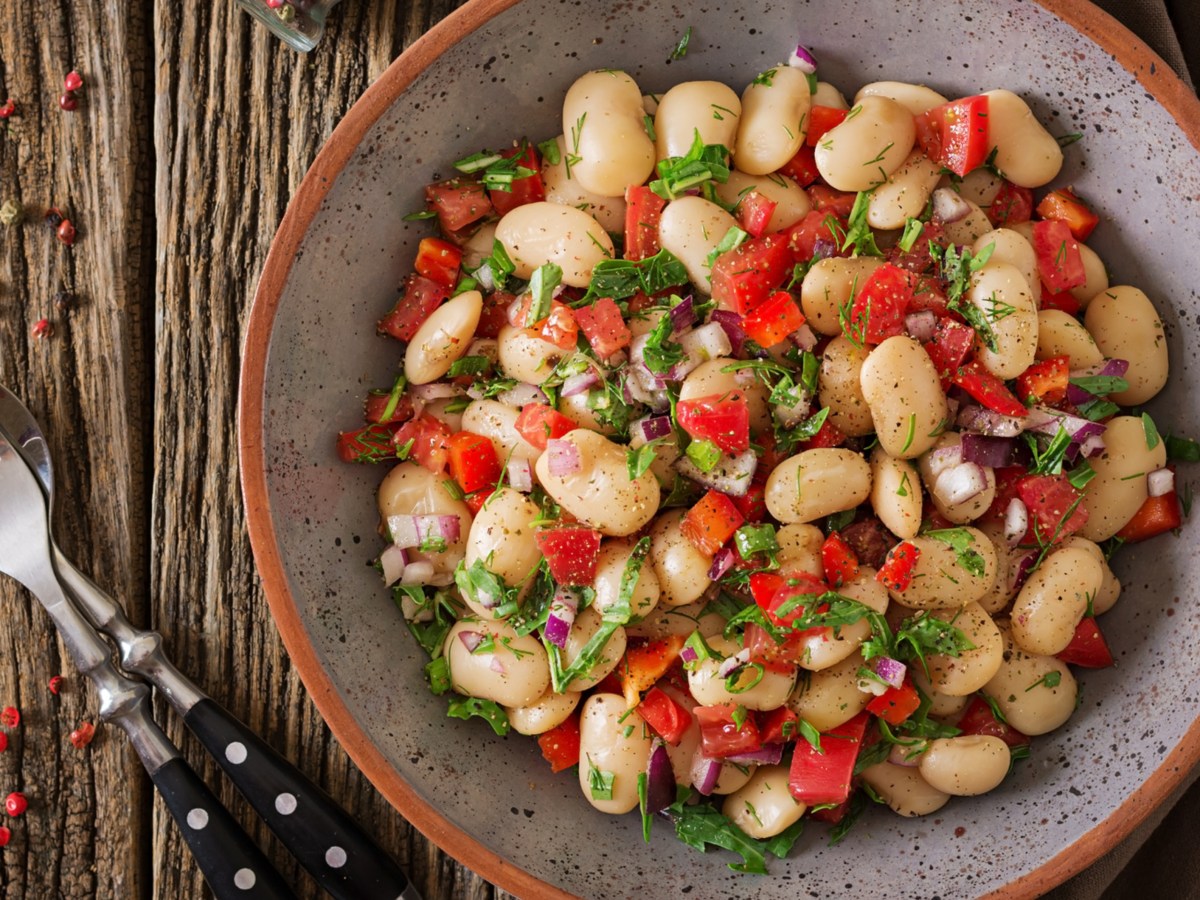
[497,422]
[791,203]
[691,228]
[543,232]
[916,98]
[904,790]
[896,493]
[610,566]
[1035,693]
[508,669]
[764,806]
[1011,247]
[682,569]
[612,741]
[905,193]
[774,114]
[1126,326]
[665,621]
[548,711]
[817,483]
[583,629]
[1054,599]
[562,187]
[962,675]
[705,107]
[412,490]
[829,285]
[841,387]
[800,549]
[442,338]
[756,687]
[831,697]
[1026,152]
[904,392]
[525,356]
[965,766]
[828,95]
[940,581]
[871,143]
[606,133]
[502,538]
[1119,487]
[1061,334]
[1110,585]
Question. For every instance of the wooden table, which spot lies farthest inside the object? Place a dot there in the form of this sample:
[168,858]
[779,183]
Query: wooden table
[193,132]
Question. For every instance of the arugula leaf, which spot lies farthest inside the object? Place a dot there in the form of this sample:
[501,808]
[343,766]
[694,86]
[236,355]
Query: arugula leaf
[1151,430]
[701,825]
[468,365]
[752,539]
[957,267]
[639,460]
[600,782]
[1181,449]
[437,673]
[924,634]
[608,404]
[431,616]
[661,353]
[1048,461]
[786,439]
[961,540]
[859,236]
[488,710]
[702,163]
[1101,385]
[486,589]
[622,278]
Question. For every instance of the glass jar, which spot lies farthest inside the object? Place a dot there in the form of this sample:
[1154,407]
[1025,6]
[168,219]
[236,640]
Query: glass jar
[299,23]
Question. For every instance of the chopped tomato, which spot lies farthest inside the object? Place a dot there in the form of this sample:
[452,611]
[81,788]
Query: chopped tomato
[1156,516]
[802,168]
[1088,648]
[495,313]
[838,560]
[473,462]
[779,725]
[773,320]
[571,552]
[1058,259]
[752,504]
[560,328]
[604,327]
[644,663]
[949,347]
[828,435]
[665,717]
[745,276]
[896,573]
[1061,300]
[428,437]
[438,260]
[880,306]
[955,134]
[979,719]
[529,189]
[764,586]
[1045,381]
[918,260]
[831,815]
[376,412]
[1054,507]
[457,203]
[896,704]
[1012,205]
[711,522]
[539,423]
[820,120]
[643,210]
[795,595]
[1008,481]
[723,419]
[988,390]
[560,745]
[727,730]
[819,777]
[1066,207]
[830,200]
[772,655]
[810,233]
[421,297]
[372,444]
[754,213]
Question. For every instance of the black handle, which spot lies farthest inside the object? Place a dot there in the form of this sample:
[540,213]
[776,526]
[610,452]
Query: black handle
[233,866]
[343,859]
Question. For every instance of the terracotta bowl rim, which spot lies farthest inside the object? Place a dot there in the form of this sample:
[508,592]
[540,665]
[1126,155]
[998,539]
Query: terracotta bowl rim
[1159,80]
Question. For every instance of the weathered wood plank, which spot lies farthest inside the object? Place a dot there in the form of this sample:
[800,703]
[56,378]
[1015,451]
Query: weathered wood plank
[87,822]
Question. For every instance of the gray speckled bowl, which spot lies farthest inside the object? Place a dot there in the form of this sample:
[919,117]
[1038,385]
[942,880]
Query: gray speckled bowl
[498,68]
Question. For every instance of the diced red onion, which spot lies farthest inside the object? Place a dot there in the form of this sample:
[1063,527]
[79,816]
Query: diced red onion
[1092,445]
[1160,482]
[905,755]
[1045,420]
[731,475]
[520,475]
[563,458]
[766,755]
[515,317]
[721,564]
[437,390]
[731,324]
[683,315]
[790,416]
[1112,368]
[944,458]
[699,346]
[484,276]
[471,639]
[949,206]
[920,325]
[1016,521]
[660,778]
[496,665]
[991,452]
[522,395]
[982,420]
[446,528]
[635,391]
[801,58]
[403,530]
[688,655]
[1019,569]
[577,384]
[393,560]
[803,337]
[652,428]
[733,663]
[823,248]
[705,773]
[561,615]
[419,572]
[890,670]
[959,484]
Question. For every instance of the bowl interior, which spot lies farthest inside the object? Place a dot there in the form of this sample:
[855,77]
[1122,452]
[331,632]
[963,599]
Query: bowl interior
[313,352]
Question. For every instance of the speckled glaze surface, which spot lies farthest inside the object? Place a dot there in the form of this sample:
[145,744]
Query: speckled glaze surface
[492,72]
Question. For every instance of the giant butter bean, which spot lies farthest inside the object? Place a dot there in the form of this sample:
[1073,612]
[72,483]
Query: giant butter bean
[502,538]
[1026,152]
[412,490]
[1126,326]
[841,387]
[497,422]
[904,790]
[939,581]
[866,590]
[1110,585]
[829,285]
[916,98]
[562,187]
[1095,276]
[904,195]
[615,741]
[902,389]
[583,629]
[1035,693]
[764,806]
[755,687]
[1007,559]
[817,483]
[682,570]
[791,203]
[828,95]
[773,123]
[938,464]
[707,107]
[1011,247]
[665,621]
[965,766]
[1119,487]
[691,228]
[824,648]
[800,549]
[442,338]
[958,676]
[896,493]
[523,355]
[970,227]
[604,128]
[1061,334]
[710,378]
[980,186]
[545,232]
[513,671]
[610,566]
[1054,599]
[600,493]
[871,143]
[548,711]
[831,697]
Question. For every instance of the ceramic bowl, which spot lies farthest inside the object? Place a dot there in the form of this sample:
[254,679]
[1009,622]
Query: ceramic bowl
[497,69]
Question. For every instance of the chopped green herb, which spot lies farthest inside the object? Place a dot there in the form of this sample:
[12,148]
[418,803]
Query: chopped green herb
[1081,475]
[488,710]
[701,164]
[1101,385]
[681,48]
[912,231]
[600,782]
[545,279]
[912,431]
[752,539]
[733,239]
[859,237]
[660,353]
[1151,430]
[705,454]
[701,825]
[437,673]
[765,78]
[1050,460]
[639,460]
[810,734]
[1180,449]
[499,265]
[1050,679]
[550,152]
[468,365]
[420,215]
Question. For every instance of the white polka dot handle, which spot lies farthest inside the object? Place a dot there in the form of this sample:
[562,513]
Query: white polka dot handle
[233,866]
[340,855]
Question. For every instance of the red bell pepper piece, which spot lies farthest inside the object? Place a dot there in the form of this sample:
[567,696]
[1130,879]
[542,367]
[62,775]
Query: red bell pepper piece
[457,203]
[896,573]
[1049,499]
[1045,381]
[560,745]
[1154,517]
[1061,300]
[421,297]
[825,777]
[988,390]
[1065,206]
[644,663]
[726,731]
[643,210]
[779,725]
[802,168]
[1088,648]
[474,465]
[1012,205]
[665,717]
[1058,259]
[896,704]
[438,260]
[814,228]
[838,560]
[711,522]
[949,348]
[754,213]
[539,423]
[880,306]
[745,276]
[723,419]
[752,504]
[571,552]
[773,320]
[428,439]
[955,134]
[604,327]
[979,719]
